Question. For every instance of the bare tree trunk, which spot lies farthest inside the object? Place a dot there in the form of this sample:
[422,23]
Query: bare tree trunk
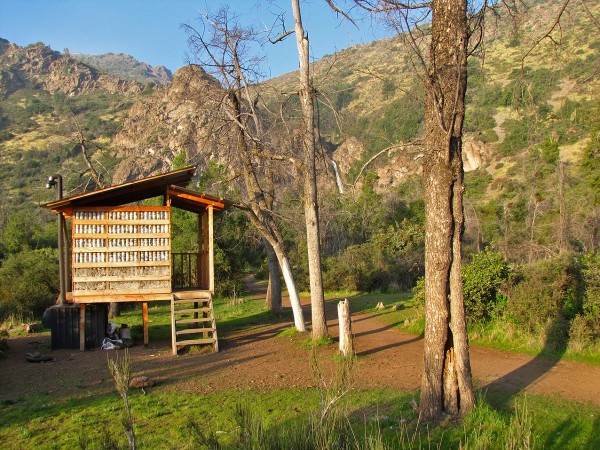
[446,386]
[273,299]
[311,211]
[273,236]
[532,233]
[114,310]
[260,215]
[506,228]
[286,269]
[563,232]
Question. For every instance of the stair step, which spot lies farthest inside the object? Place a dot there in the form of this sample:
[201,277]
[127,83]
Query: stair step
[193,310]
[199,319]
[195,342]
[195,330]
[192,300]
[191,294]
[198,303]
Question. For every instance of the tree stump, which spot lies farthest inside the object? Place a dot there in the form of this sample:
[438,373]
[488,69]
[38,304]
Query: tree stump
[345,323]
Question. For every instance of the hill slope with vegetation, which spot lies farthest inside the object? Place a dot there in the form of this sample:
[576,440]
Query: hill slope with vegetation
[532,150]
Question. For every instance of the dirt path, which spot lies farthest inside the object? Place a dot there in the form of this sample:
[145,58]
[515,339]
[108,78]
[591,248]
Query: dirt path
[260,359]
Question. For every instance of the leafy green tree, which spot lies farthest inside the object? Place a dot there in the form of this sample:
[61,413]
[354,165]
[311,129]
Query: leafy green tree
[28,283]
[26,230]
[482,280]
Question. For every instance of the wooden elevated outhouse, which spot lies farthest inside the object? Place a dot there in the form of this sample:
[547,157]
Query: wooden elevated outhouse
[118,252]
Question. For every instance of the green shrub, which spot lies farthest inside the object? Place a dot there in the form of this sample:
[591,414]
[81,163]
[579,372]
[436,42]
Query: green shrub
[550,151]
[392,257]
[419,292]
[518,136]
[482,279]
[28,283]
[479,119]
[550,291]
[476,183]
[591,299]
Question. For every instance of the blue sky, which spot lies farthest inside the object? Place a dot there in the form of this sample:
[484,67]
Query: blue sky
[150,30]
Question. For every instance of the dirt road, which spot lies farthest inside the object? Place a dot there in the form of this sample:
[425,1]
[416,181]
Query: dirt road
[260,358]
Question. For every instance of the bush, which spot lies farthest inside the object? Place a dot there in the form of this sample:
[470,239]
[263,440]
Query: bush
[27,229]
[391,258]
[28,283]
[419,292]
[482,279]
[549,291]
[591,299]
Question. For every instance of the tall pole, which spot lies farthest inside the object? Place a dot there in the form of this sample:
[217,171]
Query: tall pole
[56,181]
[61,245]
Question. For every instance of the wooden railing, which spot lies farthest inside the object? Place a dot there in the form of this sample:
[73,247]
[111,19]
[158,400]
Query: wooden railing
[186,271]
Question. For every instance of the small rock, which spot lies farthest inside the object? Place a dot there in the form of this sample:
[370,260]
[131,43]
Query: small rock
[406,322]
[398,306]
[37,357]
[141,382]
[380,305]
[32,327]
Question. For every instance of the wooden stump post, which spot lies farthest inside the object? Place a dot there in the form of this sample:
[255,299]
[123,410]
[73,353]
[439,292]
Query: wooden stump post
[345,324]
[82,327]
[145,322]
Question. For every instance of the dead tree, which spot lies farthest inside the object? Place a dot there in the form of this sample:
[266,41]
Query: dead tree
[307,166]
[311,204]
[222,46]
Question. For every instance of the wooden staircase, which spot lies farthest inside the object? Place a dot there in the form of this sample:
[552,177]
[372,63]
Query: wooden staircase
[192,320]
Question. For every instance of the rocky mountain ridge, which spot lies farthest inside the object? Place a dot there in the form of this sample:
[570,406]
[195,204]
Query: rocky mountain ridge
[126,67]
[40,66]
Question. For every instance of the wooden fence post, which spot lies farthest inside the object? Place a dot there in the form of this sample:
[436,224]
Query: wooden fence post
[345,325]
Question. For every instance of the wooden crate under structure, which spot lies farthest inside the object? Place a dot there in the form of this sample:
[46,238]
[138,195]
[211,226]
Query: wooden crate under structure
[120,252]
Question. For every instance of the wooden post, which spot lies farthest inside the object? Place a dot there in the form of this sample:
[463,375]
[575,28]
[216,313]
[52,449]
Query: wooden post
[199,262]
[82,326]
[204,277]
[173,327]
[145,321]
[345,325]
[211,255]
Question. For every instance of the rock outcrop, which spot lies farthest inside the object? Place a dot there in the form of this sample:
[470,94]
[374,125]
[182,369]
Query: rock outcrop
[393,166]
[40,66]
[126,67]
[172,120]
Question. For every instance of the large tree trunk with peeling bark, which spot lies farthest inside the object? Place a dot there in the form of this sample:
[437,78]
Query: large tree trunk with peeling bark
[446,386]
[311,211]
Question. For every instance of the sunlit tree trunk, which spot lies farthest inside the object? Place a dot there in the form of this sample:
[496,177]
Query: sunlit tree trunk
[446,386]
[311,210]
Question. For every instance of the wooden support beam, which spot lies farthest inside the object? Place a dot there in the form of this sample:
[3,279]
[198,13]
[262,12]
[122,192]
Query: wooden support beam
[201,251]
[82,326]
[211,255]
[145,321]
[204,236]
[173,327]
